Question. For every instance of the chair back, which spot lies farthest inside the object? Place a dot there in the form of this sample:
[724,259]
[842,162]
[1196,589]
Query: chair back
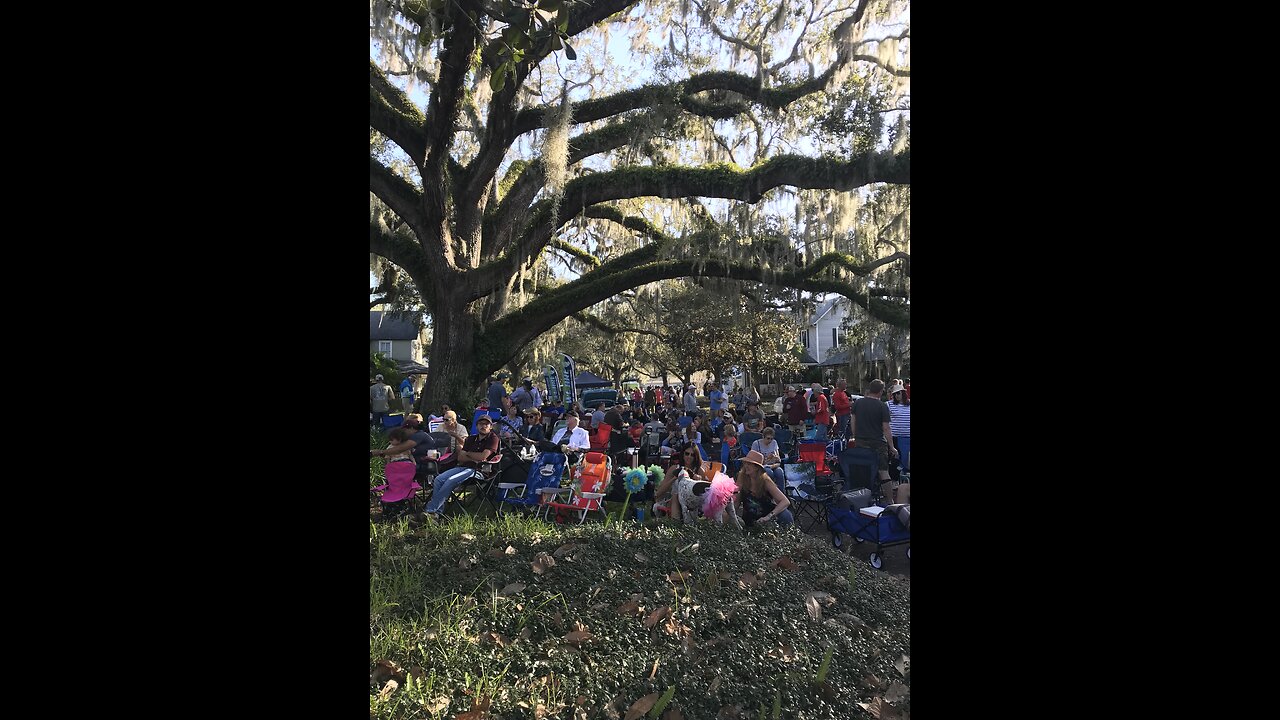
[861,469]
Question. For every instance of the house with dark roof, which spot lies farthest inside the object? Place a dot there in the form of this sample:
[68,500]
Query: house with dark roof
[398,336]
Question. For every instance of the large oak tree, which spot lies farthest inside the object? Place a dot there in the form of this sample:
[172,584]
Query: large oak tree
[504,148]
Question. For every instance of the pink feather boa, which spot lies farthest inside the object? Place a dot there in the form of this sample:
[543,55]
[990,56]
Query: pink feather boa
[718,495]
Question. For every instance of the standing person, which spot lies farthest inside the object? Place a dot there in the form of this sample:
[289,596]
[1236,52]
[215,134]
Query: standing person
[537,395]
[759,499]
[618,428]
[871,428]
[477,449]
[650,400]
[497,391]
[753,419]
[718,400]
[821,413]
[844,408]
[795,410]
[691,401]
[380,397]
[406,394]
[659,399]
[900,425]
[522,398]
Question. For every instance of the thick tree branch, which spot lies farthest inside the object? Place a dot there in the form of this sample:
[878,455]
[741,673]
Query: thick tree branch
[717,181]
[516,329]
[588,319]
[576,252]
[516,202]
[408,256]
[442,115]
[389,116]
[398,193]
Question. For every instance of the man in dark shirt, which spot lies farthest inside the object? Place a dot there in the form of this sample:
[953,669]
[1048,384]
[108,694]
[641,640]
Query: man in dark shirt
[497,391]
[871,426]
[617,435]
[475,449]
[795,410]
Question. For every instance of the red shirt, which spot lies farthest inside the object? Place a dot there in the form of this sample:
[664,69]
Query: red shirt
[907,389]
[840,400]
[821,415]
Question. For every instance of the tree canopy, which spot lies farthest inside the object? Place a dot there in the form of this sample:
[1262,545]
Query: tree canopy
[529,160]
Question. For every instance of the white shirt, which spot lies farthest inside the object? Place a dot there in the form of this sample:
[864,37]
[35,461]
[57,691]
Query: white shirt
[579,440]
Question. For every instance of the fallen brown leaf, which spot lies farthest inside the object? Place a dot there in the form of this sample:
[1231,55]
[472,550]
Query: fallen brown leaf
[715,685]
[815,610]
[497,639]
[656,616]
[467,536]
[786,563]
[577,625]
[542,562]
[466,563]
[510,550]
[747,580]
[558,620]
[383,671]
[642,706]
[630,607]
[437,704]
[677,577]
[566,548]
[417,673]
[654,671]
[496,553]
[897,691]
[512,589]
[785,653]
[673,713]
[578,637]
[642,557]
[387,689]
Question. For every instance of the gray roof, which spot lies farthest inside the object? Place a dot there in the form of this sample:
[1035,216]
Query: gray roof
[806,358]
[392,326]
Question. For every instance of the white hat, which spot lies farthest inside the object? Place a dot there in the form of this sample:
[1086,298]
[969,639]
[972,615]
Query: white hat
[895,388]
[377,377]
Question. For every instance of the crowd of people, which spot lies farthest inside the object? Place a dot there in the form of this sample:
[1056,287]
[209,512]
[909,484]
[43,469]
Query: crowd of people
[688,448]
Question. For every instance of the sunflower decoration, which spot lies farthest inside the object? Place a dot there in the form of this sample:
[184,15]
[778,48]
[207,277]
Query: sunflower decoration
[634,481]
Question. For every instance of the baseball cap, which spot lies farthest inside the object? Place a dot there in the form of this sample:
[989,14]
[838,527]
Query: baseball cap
[895,388]
[484,419]
[377,377]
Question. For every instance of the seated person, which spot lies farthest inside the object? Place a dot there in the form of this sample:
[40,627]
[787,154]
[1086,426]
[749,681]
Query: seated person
[636,433]
[759,500]
[570,439]
[533,430]
[413,443]
[475,450]
[553,412]
[768,448]
[510,421]
[686,469]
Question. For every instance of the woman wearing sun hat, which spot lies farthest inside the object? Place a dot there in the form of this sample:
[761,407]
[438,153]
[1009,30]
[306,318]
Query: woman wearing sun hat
[759,499]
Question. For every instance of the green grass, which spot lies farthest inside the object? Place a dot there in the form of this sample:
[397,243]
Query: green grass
[438,613]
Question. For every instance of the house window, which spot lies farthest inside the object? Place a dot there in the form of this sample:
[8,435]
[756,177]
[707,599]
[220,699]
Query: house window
[384,348]
[804,338]
[834,340]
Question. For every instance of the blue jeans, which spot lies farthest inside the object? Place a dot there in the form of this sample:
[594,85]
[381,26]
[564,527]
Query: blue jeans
[378,418]
[842,425]
[904,452]
[444,484]
[820,431]
[779,478]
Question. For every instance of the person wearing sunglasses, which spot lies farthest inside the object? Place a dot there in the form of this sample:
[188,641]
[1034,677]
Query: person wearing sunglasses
[688,462]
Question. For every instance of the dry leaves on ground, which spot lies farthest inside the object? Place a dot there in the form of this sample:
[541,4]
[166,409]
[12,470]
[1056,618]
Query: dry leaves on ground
[630,607]
[383,671]
[656,616]
[677,577]
[578,637]
[514,588]
[542,562]
[387,689]
[641,706]
[786,563]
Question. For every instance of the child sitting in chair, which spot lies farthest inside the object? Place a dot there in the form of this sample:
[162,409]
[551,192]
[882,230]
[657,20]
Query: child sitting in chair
[400,469]
[636,432]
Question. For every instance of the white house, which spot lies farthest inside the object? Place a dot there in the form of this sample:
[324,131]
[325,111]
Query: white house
[822,332]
